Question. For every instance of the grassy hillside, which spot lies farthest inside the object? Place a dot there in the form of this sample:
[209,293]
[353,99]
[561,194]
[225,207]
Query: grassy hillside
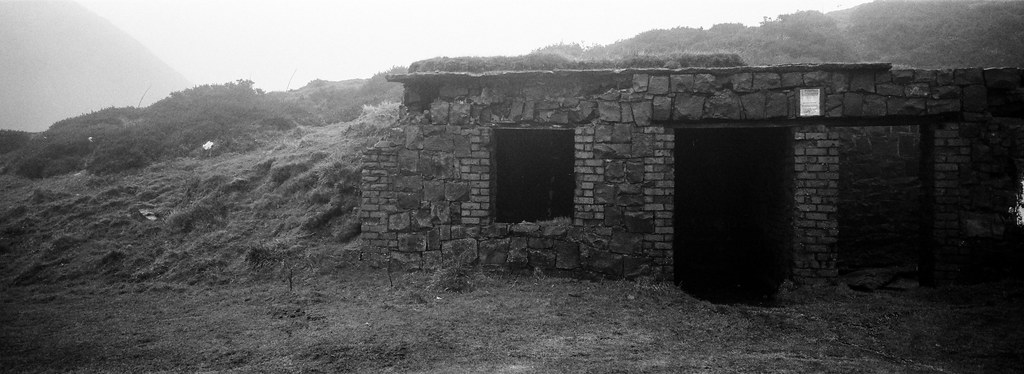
[233,117]
[923,34]
[285,205]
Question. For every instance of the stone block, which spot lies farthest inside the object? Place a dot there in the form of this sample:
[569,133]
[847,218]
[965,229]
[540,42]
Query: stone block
[413,137]
[634,170]
[1002,78]
[742,82]
[439,112]
[753,105]
[609,151]
[945,92]
[456,191]
[634,266]
[640,82]
[621,133]
[494,251]
[641,113]
[525,228]
[605,262]
[874,105]
[408,200]
[638,222]
[518,256]
[408,183]
[442,143]
[464,249]
[539,243]
[399,221]
[661,108]
[943,106]
[703,83]
[460,113]
[816,78]
[567,255]
[966,77]
[542,258]
[613,216]
[408,161]
[461,146]
[766,81]
[604,193]
[889,89]
[404,261]
[916,90]
[627,112]
[688,107]
[440,212]
[777,105]
[905,106]
[412,242]
[839,83]
[659,85]
[609,111]
[603,133]
[682,82]
[792,79]
[853,104]
[902,77]
[615,170]
[584,111]
[722,105]
[975,98]
[433,190]
[862,82]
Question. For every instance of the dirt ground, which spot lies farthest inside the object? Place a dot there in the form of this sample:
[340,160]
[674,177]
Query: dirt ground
[359,322]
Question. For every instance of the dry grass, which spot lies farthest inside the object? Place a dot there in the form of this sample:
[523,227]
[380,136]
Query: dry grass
[356,322]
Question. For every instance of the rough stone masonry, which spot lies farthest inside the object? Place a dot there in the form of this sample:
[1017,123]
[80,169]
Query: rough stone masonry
[429,187]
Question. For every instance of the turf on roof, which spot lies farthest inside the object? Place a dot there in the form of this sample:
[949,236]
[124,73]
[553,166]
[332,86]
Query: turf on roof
[557,62]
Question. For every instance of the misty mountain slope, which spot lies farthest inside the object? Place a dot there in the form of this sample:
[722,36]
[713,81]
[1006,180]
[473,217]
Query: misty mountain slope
[922,34]
[60,60]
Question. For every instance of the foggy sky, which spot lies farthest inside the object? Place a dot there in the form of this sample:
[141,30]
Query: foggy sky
[267,41]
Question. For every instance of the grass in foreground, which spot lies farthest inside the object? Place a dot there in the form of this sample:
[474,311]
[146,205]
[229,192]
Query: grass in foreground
[357,322]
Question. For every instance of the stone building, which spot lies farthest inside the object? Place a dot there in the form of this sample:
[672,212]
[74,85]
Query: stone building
[722,174]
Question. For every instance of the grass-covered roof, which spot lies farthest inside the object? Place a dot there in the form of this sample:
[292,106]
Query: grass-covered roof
[541,61]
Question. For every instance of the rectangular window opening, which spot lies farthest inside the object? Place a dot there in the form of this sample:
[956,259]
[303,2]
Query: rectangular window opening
[534,174]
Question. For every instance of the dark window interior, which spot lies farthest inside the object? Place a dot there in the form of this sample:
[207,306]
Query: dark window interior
[733,208]
[534,180]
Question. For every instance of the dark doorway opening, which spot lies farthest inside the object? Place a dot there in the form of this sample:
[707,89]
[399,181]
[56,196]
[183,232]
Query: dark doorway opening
[733,212]
[879,206]
[534,174]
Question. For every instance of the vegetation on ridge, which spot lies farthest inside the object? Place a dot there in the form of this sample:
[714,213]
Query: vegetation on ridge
[552,61]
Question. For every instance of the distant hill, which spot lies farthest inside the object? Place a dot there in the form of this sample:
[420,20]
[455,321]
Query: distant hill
[923,34]
[60,60]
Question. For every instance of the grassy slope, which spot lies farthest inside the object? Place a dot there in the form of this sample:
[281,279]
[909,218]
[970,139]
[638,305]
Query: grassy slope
[354,321]
[287,204]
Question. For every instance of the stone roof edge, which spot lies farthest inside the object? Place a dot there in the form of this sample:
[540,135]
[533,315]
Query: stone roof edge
[787,68]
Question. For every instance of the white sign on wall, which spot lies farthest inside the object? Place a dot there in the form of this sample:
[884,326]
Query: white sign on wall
[810,102]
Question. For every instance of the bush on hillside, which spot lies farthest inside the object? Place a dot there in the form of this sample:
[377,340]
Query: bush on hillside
[11,140]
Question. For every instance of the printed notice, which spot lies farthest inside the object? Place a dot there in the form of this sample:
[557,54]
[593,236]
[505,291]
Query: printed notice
[810,102]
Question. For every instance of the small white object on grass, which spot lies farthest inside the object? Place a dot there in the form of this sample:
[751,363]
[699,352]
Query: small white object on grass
[208,145]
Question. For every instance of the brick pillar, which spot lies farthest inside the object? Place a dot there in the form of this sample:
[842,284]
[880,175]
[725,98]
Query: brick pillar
[378,200]
[815,190]
[945,153]
[659,197]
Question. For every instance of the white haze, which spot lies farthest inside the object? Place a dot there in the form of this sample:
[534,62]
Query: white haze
[269,41]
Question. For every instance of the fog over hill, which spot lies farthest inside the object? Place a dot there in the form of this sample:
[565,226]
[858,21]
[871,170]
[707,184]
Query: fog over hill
[60,60]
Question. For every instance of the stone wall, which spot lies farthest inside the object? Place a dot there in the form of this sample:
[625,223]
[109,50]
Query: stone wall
[428,188]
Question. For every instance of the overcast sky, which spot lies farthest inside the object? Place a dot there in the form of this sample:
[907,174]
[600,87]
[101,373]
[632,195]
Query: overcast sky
[214,41]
